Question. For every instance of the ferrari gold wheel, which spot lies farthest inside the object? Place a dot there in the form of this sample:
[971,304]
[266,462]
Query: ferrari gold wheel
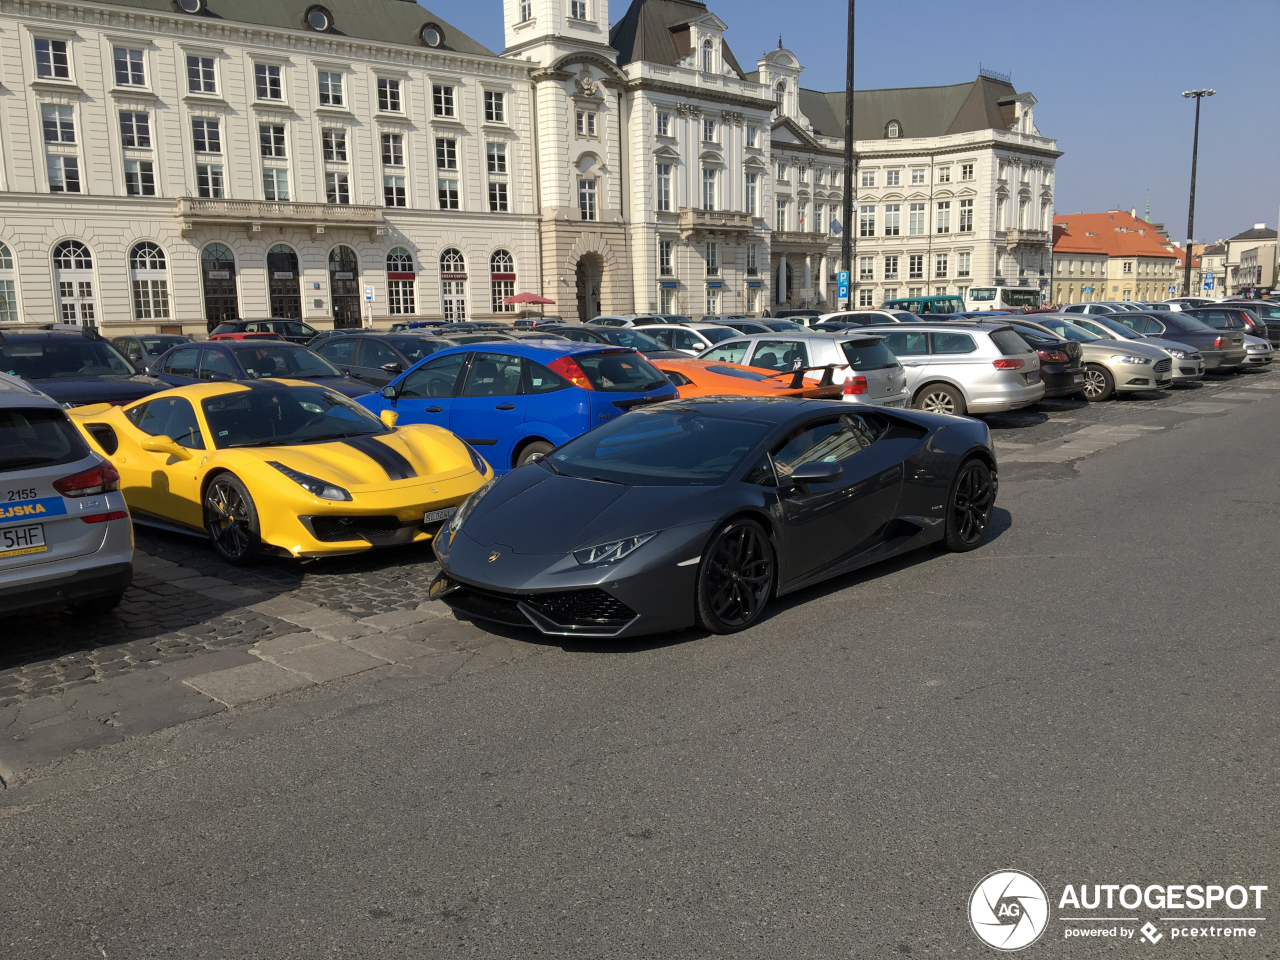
[232,520]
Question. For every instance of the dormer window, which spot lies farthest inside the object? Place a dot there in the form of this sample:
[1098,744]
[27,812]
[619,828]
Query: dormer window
[779,92]
[708,56]
[893,130]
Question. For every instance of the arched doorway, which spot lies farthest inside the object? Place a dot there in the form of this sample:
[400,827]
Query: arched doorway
[589,275]
[453,284]
[282,282]
[218,269]
[344,287]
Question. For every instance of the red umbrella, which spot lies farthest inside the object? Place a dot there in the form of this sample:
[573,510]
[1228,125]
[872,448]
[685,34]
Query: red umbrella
[527,298]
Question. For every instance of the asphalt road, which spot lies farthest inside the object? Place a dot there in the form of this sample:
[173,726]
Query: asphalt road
[1090,698]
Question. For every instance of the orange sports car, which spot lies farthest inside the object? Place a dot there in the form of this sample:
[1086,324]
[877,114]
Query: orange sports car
[715,378]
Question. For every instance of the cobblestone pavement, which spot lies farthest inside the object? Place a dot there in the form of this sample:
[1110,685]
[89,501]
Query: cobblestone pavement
[196,636]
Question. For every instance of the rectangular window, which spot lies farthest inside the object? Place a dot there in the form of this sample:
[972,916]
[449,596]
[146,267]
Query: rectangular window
[400,297]
[963,264]
[447,192]
[939,266]
[917,176]
[892,219]
[497,197]
[915,291]
[891,268]
[866,221]
[266,77]
[802,175]
[966,216]
[586,123]
[890,293]
[446,153]
[713,260]
[51,60]
[393,151]
[966,171]
[497,154]
[330,89]
[526,11]
[753,268]
[389,95]
[64,175]
[130,71]
[866,268]
[139,178]
[802,212]
[915,220]
[1128,267]
[940,291]
[394,196]
[780,224]
[753,194]
[665,267]
[58,122]
[782,172]
[664,187]
[151,299]
[209,180]
[709,131]
[942,223]
[664,124]
[442,100]
[866,298]
[335,144]
[587,199]
[892,178]
[1022,214]
[668,300]
[135,130]
[271,139]
[337,188]
[713,301]
[499,291]
[753,137]
[868,178]
[200,77]
[944,174]
[205,135]
[708,189]
[275,184]
[915,266]
[495,107]
[578,9]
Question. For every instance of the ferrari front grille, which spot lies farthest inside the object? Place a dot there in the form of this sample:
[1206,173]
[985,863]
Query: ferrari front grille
[373,529]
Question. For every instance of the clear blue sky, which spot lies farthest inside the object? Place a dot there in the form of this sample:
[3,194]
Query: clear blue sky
[1108,77]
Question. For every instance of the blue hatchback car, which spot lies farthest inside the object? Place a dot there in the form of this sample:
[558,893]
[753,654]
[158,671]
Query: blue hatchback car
[514,399]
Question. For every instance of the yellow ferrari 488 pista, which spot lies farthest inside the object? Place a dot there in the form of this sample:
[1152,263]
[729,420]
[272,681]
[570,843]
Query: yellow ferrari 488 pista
[282,466]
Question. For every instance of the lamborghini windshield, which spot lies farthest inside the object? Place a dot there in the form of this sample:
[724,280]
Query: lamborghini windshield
[670,447]
[266,416]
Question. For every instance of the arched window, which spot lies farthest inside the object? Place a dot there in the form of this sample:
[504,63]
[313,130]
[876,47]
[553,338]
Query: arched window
[218,270]
[8,300]
[708,56]
[73,274]
[780,92]
[148,271]
[284,287]
[401,282]
[502,281]
[893,130]
[453,284]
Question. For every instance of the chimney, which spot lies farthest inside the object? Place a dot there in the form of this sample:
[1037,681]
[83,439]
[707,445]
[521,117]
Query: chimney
[1259,226]
[1133,212]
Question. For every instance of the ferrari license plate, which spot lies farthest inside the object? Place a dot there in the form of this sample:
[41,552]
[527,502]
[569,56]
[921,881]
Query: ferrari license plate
[438,516]
[19,541]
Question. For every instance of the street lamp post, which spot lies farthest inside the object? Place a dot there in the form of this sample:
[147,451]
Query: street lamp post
[846,239]
[1191,207]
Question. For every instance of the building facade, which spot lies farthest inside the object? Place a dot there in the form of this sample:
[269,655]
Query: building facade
[165,164]
[1251,259]
[1112,256]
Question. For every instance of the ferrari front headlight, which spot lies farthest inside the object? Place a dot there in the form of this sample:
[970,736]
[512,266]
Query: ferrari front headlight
[313,485]
[614,550]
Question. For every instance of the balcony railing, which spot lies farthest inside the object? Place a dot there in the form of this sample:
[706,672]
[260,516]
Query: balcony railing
[726,223]
[1026,238]
[803,239]
[254,214]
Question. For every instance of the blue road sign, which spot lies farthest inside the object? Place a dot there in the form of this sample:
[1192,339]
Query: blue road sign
[842,285]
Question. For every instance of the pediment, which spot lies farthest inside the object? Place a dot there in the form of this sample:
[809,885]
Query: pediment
[786,130]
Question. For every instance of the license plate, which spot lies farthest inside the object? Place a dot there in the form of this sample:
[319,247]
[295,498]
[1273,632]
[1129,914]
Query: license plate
[1078,378]
[437,516]
[1033,378]
[19,541]
[896,403]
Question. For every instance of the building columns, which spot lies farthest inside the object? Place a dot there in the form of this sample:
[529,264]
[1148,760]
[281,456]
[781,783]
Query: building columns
[808,271]
[823,270]
[782,281]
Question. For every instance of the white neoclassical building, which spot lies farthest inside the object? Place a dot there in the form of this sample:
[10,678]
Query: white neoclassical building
[165,164]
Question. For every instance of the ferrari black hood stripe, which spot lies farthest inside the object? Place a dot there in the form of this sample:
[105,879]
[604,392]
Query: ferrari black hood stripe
[397,467]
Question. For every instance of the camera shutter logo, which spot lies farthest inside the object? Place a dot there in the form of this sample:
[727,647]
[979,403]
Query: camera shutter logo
[1008,910]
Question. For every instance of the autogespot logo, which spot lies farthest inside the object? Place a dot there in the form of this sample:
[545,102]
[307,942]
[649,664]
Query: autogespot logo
[1008,910]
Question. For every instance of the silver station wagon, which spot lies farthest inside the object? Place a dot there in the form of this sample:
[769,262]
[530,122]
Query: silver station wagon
[869,371]
[965,368]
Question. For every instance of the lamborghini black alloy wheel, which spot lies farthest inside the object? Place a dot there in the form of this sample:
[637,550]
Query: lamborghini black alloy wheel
[971,506]
[736,578]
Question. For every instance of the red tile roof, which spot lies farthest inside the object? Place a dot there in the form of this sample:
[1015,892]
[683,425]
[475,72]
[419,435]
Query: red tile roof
[1115,233]
[1181,254]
